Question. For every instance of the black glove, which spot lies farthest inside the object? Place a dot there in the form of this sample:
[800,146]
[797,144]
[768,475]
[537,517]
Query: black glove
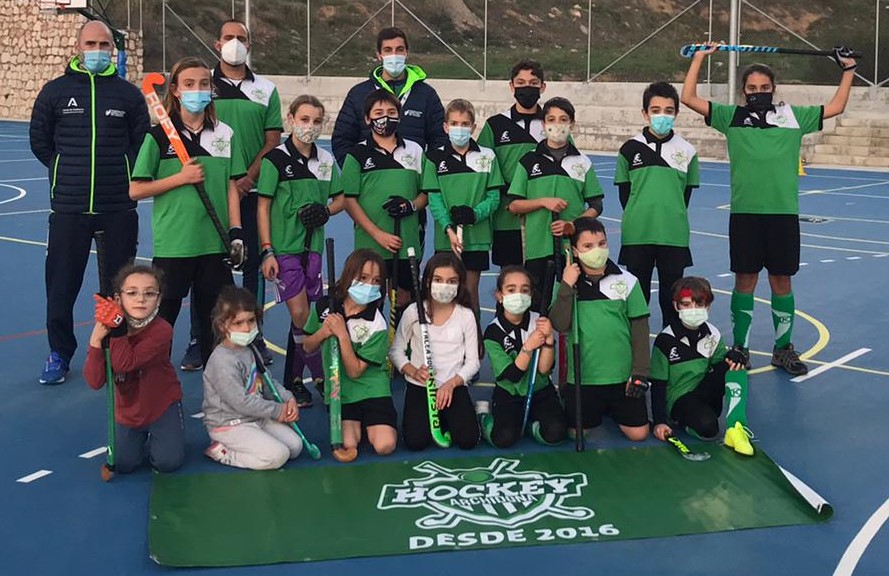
[637,387]
[737,356]
[462,215]
[843,52]
[313,215]
[237,256]
[398,207]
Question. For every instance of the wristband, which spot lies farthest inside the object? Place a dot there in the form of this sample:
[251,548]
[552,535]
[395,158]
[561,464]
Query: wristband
[265,245]
[268,252]
[850,68]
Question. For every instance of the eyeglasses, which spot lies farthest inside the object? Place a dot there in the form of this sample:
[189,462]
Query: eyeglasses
[148,295]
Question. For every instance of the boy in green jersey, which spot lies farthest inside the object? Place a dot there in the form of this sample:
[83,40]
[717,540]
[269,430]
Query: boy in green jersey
[692,371]
[381,181]
[552,185]
[511,135]
[463,182]
[656,172]
[764,140]
[613,333]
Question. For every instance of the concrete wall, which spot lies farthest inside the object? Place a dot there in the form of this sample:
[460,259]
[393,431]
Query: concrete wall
[35,48]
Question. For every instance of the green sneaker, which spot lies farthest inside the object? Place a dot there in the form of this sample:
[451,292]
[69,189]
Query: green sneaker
[538,437]
[486,425]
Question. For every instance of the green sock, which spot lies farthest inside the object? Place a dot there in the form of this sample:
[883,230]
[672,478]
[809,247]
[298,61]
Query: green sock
[783,308]
[486,423]
[538,437]
[742,317]
[736,395]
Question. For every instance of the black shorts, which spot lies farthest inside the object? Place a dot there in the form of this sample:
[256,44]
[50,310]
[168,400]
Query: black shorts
[769,241]
[475,260]
[597,401]
[506,248]
[647,256]
[508,411]
[371,412]
[404,273]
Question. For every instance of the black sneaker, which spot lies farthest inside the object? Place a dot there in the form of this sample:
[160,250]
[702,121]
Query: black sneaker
[789,360]
[745,352]
[319,386]
[191,361]
[263,350]
[302,394]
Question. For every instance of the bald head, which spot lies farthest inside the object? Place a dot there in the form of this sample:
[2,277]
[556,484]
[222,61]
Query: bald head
[94,35]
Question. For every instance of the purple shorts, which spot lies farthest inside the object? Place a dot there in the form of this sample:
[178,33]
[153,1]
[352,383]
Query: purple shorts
[293,278]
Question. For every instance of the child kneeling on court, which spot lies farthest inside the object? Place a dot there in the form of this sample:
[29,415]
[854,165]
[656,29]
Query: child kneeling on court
[613,333]
[147,395]
[453,336]
[248,427]
[692,370]
[511,340]
[363,337]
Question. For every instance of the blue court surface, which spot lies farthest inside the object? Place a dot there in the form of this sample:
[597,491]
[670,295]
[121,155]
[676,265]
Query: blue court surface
[828,429]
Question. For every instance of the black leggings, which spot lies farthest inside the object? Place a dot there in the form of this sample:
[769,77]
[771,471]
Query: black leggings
[459,419]
[700,408]
[509,410]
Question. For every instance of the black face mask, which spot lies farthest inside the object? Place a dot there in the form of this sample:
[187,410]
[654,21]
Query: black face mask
[527,96]
[384,126]
[759,101]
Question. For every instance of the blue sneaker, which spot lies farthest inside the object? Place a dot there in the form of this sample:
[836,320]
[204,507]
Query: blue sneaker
[55,369]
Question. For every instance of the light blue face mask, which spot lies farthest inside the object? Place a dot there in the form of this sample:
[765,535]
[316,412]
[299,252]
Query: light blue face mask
[661,124]
[459,135]
[363,293]
[195,101]
[96,60]
[394,64]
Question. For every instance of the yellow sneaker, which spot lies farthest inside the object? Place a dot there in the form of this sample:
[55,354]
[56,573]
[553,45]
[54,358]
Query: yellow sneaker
[737,439]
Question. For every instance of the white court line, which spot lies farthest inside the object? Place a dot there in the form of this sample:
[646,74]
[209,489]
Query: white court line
[853,257]
[844,239]
[25,179]
[26,212]
[198,415]
[840,219]
[93,453]
[840,188]
[827,261]
[35,476]
[727,275]
[861,541]
[815,246]
[19,160]
[803,263]
[21,193]
[825,367]
[36,243]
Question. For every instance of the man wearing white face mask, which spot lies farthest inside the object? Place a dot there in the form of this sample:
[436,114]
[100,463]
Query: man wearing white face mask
[250,104]
[422,115]
[86,128]
[656,172]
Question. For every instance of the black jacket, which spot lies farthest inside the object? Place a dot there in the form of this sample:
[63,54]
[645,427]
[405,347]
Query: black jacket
[87,129]
[422,115]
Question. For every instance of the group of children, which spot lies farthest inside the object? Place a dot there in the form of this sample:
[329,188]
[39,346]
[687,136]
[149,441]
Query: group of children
[521,195]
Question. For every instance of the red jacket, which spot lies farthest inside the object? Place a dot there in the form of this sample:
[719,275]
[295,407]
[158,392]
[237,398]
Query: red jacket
[145,381]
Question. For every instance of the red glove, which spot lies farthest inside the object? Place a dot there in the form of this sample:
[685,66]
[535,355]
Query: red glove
[108,313]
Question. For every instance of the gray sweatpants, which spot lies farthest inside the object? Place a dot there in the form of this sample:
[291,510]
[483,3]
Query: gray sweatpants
[264,445]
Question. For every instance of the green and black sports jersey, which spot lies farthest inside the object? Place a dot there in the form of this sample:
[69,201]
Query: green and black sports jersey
[539,175]
[369,334]
[503,341]
[604,311]
[454,180]
[511,135]
[764,154]
[658,172]
[371,175]
[682,357]
[250,106]
[292,181]
[179,222]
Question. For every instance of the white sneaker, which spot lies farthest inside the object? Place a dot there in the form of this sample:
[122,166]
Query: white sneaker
[216,451]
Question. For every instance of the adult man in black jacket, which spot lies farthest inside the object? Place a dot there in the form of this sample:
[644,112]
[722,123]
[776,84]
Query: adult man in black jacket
[86,128]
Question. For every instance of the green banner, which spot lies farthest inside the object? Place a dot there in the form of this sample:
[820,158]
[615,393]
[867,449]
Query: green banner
[242,518]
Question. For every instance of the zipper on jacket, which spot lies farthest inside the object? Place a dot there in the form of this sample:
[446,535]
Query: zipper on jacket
[55,171]
[92,142]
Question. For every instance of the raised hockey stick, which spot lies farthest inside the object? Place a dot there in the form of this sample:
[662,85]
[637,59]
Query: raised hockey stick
[547,293]
[340,453]
[393,296]
[107,471]
[154,103]
[689,50]
[313,450]
[443,439]
[685,451]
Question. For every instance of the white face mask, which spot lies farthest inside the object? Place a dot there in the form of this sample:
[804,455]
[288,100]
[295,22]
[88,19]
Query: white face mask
[234,52]
[516,303]
[394,64]
[243,338]
[558,133]
[693,317]
[306,134]
[443,293]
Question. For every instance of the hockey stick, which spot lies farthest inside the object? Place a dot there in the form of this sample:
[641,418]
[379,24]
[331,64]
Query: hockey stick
[313,450]
[547,292]
[340,453]
[393,295]
[685,451]
[154,103]
[575,345]
[689,50]
[460,240]
[107,471]
[443,439]
[562,350]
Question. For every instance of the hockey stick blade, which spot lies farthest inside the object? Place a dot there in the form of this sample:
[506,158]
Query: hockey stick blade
[689,50]
[686,452]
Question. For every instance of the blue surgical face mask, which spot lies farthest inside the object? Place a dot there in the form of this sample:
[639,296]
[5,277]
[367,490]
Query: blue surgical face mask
[459,135]
[96,60]
[195,100]
[394,64]
[661,124]
[363,293]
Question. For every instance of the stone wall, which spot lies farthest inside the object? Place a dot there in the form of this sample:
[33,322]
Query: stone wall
[35,48]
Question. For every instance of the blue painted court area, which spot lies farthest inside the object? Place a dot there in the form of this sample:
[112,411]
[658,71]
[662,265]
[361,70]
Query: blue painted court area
[828,429]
